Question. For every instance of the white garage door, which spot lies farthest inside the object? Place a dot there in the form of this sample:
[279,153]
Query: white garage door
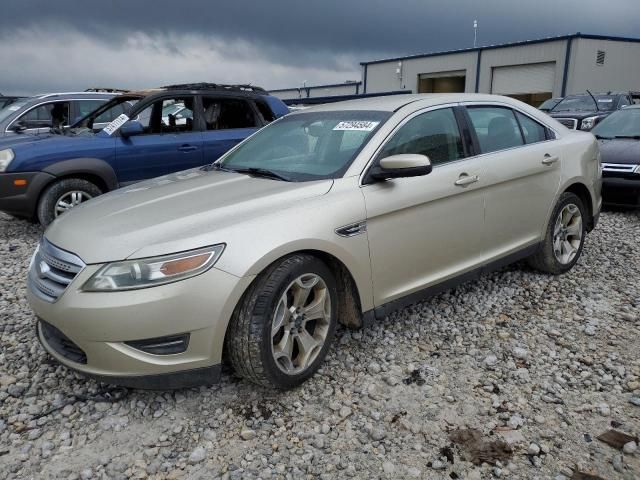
[534,78]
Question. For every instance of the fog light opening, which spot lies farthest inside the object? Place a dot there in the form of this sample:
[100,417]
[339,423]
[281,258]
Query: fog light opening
[169,345]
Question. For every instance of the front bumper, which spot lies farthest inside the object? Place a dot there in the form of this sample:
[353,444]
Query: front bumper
[97,324]
[622,191]
[22,200]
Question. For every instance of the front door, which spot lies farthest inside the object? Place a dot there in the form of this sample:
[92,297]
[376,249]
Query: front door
[170,143]
[424,230]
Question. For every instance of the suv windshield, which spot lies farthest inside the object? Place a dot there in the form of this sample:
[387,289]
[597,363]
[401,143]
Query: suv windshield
[623,123]
[586,103]
[307,146]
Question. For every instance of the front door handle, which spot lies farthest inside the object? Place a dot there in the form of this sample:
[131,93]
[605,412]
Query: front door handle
[549,160]
[187,148]
[465,180]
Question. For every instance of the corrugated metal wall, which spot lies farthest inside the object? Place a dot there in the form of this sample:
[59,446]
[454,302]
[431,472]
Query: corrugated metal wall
[620,70]
[382,77]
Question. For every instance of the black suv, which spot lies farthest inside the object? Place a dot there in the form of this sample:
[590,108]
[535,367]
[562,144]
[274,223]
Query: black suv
[583,111]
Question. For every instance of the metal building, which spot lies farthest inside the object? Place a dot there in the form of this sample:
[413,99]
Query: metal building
[531,71]
[337,89]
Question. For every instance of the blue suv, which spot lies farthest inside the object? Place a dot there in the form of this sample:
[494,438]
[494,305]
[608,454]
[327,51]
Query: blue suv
[159,131]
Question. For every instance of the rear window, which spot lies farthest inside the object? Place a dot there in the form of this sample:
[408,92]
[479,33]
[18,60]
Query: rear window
[496,128]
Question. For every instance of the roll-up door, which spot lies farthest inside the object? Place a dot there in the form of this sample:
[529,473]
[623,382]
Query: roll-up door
[523,79]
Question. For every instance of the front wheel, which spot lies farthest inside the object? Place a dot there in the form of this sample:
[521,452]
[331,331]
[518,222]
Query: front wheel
[564,238]
[283,327]
[62,196]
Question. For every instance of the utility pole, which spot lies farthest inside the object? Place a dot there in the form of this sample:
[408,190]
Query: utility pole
[475,33]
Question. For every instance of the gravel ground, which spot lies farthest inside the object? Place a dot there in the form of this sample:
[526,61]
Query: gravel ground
[519,370]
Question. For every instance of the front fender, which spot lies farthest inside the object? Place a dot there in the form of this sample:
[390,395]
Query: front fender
[86,166]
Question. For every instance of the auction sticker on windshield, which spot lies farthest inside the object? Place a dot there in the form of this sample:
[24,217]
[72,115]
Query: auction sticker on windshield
[115,124]
[358,125]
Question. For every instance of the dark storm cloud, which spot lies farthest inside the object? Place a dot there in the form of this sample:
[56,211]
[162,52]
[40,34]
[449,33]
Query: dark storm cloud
[297,38]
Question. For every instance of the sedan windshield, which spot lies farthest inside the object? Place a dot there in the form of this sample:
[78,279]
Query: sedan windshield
[306,146]
[585,103]
[623,123]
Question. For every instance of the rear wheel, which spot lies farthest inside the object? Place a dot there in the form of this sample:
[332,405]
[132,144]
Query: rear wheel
[565,236]
[62,196]
[282,330]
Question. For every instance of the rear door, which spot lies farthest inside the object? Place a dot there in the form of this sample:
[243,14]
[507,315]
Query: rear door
[522,163]
[227,121]
[425,230]
[167,145]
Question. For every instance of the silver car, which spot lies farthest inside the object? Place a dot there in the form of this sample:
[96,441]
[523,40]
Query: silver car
[339,213]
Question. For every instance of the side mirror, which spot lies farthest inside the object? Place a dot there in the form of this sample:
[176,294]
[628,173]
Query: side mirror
[19,127]
[400,166]
[131,128]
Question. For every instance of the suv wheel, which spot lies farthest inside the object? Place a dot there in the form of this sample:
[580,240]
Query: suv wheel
[62,196]
[282,329]
[565,236]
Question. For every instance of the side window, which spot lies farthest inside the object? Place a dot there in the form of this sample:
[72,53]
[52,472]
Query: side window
[265,111]
[533,132]
[227,113]
[169,115]
[434,134]
[495,127]
[54,114]
[624,101]
[177,115]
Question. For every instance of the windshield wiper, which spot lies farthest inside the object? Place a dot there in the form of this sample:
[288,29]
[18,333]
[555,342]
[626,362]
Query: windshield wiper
[634,137]
[601,137]
[259,172]
[214,166]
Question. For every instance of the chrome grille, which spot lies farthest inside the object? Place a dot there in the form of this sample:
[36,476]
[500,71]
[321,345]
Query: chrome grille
[571,123]
[618,167]
[52,270]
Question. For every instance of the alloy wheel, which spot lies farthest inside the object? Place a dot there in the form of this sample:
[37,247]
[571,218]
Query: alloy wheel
[69,200]
[301,323]
[567,234]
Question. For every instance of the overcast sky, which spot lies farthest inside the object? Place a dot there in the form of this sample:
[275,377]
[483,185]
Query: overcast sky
[58,45]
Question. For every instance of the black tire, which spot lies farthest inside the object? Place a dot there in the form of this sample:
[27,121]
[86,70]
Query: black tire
[46,211]
[248,338]
[545,260]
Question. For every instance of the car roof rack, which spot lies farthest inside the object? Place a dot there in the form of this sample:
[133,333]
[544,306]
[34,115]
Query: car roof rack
[216,86]
[106,90]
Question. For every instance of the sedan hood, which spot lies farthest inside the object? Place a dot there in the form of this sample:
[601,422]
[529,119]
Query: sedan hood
[620,150]
[189,209]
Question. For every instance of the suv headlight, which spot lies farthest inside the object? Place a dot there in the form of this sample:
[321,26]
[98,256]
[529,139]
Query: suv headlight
[588,123]
[6,156]
[149,272]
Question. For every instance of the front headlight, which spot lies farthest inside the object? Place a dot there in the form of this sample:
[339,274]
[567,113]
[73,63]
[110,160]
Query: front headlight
[149,272]
[6,156]
[588,123]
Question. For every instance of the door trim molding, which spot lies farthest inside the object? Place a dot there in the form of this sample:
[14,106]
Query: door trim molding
[381,311]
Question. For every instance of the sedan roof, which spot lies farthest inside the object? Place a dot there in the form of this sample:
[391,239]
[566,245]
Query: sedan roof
[392,103]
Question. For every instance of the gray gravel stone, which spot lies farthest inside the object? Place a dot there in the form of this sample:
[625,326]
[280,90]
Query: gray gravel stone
[510,350]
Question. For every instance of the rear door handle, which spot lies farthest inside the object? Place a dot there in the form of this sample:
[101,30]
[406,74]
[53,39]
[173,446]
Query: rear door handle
[187,148]
[549,160]
[465,180]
